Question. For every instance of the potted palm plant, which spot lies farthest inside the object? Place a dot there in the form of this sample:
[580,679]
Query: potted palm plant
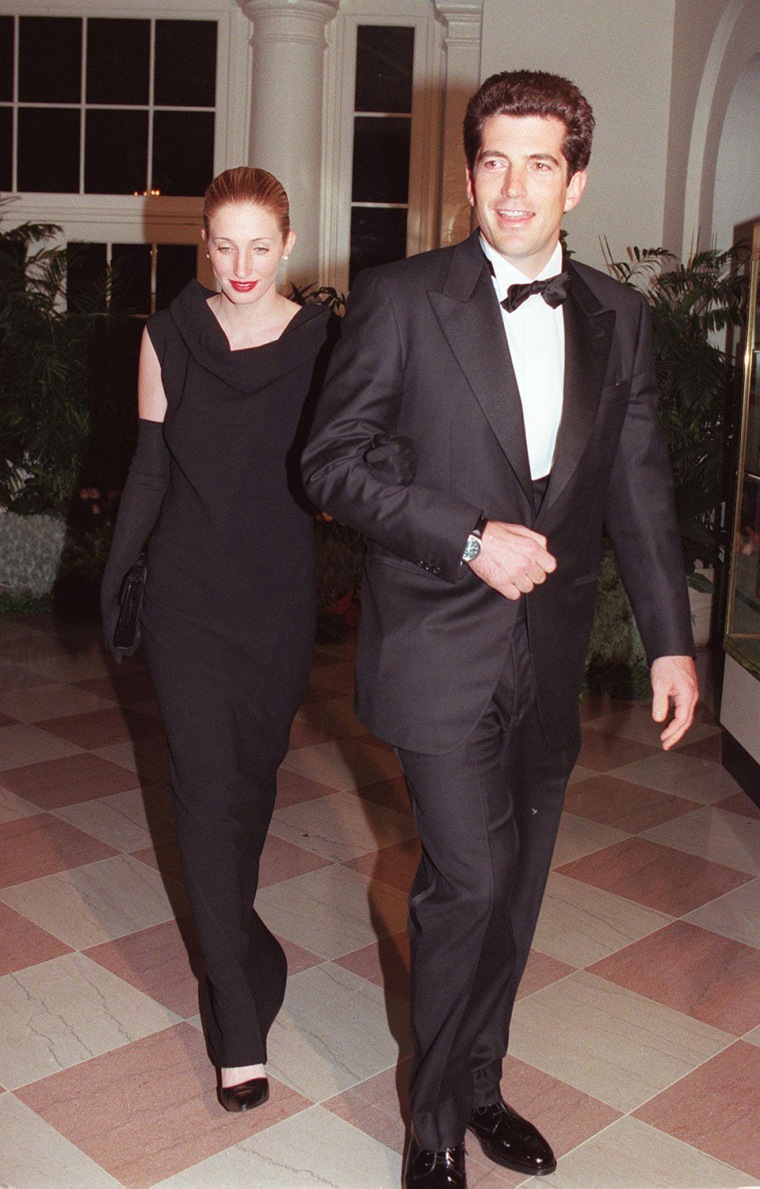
[693,305]
[46,416]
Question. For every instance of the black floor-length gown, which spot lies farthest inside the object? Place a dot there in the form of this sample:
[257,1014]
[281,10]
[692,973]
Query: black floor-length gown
[228,627]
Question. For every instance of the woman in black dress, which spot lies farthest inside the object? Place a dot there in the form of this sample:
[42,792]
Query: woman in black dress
[229,613]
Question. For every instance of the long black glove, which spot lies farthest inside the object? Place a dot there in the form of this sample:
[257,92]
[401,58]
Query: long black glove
[140,505]
[392,458]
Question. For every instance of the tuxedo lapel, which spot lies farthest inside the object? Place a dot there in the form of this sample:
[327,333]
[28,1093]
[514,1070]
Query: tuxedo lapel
[589,329]
[470,319]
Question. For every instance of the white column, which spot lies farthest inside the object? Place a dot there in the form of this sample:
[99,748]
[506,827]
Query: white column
[462,21]
[286,111]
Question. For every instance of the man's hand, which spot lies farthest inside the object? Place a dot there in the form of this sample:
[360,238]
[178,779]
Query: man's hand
[512,559]
[674,680]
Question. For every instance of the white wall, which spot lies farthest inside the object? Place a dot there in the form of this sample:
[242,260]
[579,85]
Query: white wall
[619,54]
[737,175]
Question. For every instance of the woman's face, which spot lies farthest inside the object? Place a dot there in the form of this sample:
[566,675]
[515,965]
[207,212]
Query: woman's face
[245,246]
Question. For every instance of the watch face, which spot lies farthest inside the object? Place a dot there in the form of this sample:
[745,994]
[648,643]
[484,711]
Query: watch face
[471,549]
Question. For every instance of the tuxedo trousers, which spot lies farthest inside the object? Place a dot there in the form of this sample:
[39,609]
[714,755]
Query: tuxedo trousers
[487,814]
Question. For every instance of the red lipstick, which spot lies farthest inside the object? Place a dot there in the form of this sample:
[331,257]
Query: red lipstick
[243,286]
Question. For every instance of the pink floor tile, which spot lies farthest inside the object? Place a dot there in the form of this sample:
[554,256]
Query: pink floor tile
[68,780]
[706,976]
[159,961]
[379,1106]
[658,876]
[148,1110]
[716,1108]
[303,734]
[32,847]
[293,788]
[24,943]
[391,794]
[19,677]
[101,728]
[540,972]
[297,957]
[566,1116]
[282,860]
[163,857]
[602,752]
[710,749]
[740,803]
[395,865]
[385,963]
[626,806]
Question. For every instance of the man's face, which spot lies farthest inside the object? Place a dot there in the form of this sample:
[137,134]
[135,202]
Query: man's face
[519,188]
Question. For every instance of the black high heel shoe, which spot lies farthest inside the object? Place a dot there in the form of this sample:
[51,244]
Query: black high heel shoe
[245,1096]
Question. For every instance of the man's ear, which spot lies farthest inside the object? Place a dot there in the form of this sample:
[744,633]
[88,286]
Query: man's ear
[575,188]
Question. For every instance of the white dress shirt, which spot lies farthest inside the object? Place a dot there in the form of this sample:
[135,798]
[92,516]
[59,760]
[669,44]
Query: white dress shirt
[536,338]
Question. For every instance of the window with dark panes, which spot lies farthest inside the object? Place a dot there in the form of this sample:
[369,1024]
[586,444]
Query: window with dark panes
[145,277]
[101,105]
[382,139]
[7,51]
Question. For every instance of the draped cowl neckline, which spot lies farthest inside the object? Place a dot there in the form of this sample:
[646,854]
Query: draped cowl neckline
[251,368]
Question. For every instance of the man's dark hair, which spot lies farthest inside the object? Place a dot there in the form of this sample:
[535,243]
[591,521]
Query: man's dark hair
[532,93]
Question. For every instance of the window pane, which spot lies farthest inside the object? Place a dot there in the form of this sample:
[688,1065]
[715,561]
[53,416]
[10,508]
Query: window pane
[185,63]
[85,267]
[50,60]
[6,148]
[175,266]
[183,152]
[116,152]
[381,159]
[48,150]
[6,59]
[384,62]
[131,266]
[118,61]
[377,237]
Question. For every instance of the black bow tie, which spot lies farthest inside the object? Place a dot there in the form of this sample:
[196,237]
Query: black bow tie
[554,290]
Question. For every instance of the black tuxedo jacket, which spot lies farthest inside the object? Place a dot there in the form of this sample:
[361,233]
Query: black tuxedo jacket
[423,353]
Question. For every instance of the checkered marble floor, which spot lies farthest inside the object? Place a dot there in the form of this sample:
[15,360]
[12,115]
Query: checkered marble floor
[636,1041]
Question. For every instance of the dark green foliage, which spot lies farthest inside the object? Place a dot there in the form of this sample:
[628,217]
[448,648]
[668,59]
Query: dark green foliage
[23,603]
[44,415]
[616,665]
[324,294]
[692,306]
[340,564]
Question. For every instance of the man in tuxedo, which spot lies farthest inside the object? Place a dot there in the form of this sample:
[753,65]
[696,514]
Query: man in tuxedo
[515,390]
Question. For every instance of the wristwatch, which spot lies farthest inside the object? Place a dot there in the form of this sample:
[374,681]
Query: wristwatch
[472,547]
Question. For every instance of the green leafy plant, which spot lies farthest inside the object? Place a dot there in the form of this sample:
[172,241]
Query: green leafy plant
[616,664]
[45,415]
[692,305]
[324,294]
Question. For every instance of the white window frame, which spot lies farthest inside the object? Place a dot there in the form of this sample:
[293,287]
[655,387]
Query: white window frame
[117,218]
[338,128]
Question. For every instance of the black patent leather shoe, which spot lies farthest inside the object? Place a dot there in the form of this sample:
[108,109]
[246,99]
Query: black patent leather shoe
[434,1170]
[245,1096]
[509,1140]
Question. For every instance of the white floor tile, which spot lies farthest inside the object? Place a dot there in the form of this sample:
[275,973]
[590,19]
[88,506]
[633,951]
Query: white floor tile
[608,1041]
[334,1031]
[333,911]
[36,1156]
[66,1010]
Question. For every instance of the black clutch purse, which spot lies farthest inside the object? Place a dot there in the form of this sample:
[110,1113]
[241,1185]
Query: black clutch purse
[126,637]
